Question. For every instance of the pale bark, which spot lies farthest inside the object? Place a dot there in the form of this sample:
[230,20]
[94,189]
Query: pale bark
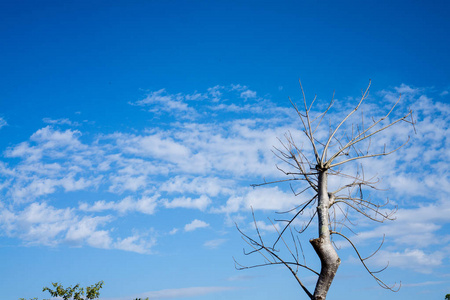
[323,246]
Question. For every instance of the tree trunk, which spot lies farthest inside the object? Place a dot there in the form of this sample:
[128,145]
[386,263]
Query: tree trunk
[322,245]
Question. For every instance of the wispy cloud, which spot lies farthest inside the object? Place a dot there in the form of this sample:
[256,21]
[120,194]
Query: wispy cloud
[206,164]
[200,203]
[194,225]
[415,259]
[175,104]
[214,244]
[146,205]
[63,121]
[426,283]
[42,224]
[3,122]
[136,243]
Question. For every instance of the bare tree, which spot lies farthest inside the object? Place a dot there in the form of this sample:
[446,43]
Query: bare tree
[311,166]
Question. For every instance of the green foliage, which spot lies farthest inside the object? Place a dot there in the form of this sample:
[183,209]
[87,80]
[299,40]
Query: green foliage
[447,297]
[92,292]
[74,293]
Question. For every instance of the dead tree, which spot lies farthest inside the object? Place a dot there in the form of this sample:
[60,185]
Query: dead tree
[330,210]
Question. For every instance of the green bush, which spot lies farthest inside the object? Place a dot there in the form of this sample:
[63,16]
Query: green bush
[74,293]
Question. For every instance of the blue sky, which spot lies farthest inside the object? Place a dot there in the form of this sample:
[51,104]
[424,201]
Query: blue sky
[132,130]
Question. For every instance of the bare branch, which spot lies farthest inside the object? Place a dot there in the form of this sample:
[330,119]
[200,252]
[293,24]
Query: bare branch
[330,138]
[378,280]
[363,135]
[292,220]
[260,247]
[322,115]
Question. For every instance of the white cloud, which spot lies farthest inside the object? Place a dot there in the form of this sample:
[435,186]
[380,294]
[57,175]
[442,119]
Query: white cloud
[242,150]
[49,138]
[173,104]
[136,243]
[248,94]
[261,198]
[210,186]
[426,283]
[263,226]
[406,89]
[192,148]
[24,150]
[214,244]
[63,121]
[414,259]
[130,174]
[100,239]
[215,92]
[196,224]
[270,199]
[156,146]
[86,230]
[42,224]
[3,122]
[205,163]
[127,182]
[200,203]
[146,205]
[50,161]
[36,188]
[414,227]
[28,189]
[70,184]
[173,231]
